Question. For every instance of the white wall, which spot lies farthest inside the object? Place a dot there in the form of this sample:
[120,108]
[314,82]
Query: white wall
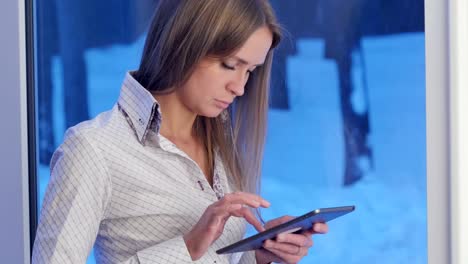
[437,122]
[14,208]
[458,40]
[447,130]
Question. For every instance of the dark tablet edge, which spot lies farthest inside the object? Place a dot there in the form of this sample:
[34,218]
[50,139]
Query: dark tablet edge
[291,222]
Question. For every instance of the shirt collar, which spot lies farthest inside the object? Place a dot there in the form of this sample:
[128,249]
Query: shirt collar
[139,107]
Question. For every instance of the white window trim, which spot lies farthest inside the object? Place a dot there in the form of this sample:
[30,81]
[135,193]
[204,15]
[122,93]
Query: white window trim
[14,197]
[437,131]
[458,56]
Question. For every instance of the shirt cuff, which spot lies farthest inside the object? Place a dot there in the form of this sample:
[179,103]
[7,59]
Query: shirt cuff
[174,251]
[169,251]
[248,257]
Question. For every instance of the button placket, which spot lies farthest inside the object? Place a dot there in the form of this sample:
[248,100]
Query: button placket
[200,181]
[217,187]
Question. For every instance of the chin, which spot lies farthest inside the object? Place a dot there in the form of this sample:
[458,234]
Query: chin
[210,114]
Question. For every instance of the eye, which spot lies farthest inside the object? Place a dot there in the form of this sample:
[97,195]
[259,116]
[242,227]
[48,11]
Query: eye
[227,66]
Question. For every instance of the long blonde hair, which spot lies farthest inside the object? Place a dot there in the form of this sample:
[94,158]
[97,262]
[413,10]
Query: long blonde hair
[182,33]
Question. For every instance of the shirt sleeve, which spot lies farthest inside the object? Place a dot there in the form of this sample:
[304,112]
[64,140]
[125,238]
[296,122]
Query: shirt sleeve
[74,205]
[174,251]
[248,257]
[170,251]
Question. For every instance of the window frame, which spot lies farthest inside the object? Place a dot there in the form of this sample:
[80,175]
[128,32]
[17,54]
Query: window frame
[14,140]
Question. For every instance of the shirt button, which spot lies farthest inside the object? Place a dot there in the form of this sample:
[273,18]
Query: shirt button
[201,185]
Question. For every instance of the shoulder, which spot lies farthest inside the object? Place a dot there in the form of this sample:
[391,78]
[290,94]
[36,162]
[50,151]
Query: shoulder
[88,139]
[78,167]
[96,129]
[100,134]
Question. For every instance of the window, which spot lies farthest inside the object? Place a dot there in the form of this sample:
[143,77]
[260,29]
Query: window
[347,118]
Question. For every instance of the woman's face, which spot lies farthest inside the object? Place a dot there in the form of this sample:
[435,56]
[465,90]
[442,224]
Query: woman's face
[216,82]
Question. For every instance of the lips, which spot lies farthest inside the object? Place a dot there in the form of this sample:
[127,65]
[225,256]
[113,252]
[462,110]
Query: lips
[222,104]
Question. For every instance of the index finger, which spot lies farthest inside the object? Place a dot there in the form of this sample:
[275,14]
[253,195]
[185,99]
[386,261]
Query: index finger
[278,221]
[249,199]
[248,216]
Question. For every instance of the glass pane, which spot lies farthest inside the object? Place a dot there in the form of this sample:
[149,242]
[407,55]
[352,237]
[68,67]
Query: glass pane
[83,50]
[347,117]
[347,126]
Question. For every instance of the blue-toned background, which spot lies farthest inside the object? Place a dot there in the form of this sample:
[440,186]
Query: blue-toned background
[347,65]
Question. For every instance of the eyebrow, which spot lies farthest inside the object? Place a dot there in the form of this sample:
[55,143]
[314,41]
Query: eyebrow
[242,61]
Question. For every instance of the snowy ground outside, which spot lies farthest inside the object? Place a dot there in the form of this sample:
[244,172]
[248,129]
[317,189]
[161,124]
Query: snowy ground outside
[303,165]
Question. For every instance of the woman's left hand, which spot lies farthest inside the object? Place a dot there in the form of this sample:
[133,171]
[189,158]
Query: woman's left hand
[288,248]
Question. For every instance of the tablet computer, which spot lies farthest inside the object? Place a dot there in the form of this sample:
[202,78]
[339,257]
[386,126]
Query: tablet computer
[295,225]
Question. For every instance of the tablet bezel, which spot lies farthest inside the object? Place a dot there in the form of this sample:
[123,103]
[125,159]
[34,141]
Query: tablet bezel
[320,215]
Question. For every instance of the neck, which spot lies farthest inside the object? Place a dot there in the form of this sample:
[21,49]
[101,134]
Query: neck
[177,119]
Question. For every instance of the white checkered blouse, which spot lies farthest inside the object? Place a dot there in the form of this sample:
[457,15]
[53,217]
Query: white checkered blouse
[119,185]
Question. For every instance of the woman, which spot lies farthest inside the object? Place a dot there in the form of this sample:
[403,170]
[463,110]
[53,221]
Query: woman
[158,178]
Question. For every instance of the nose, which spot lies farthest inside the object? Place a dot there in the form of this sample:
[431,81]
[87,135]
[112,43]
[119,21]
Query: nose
[237,85]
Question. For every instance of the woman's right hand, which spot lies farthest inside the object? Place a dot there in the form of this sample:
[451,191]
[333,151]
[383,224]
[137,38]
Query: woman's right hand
[211,225]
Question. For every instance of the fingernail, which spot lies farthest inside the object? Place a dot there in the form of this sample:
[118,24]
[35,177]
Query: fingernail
[266,203]
[280,237]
